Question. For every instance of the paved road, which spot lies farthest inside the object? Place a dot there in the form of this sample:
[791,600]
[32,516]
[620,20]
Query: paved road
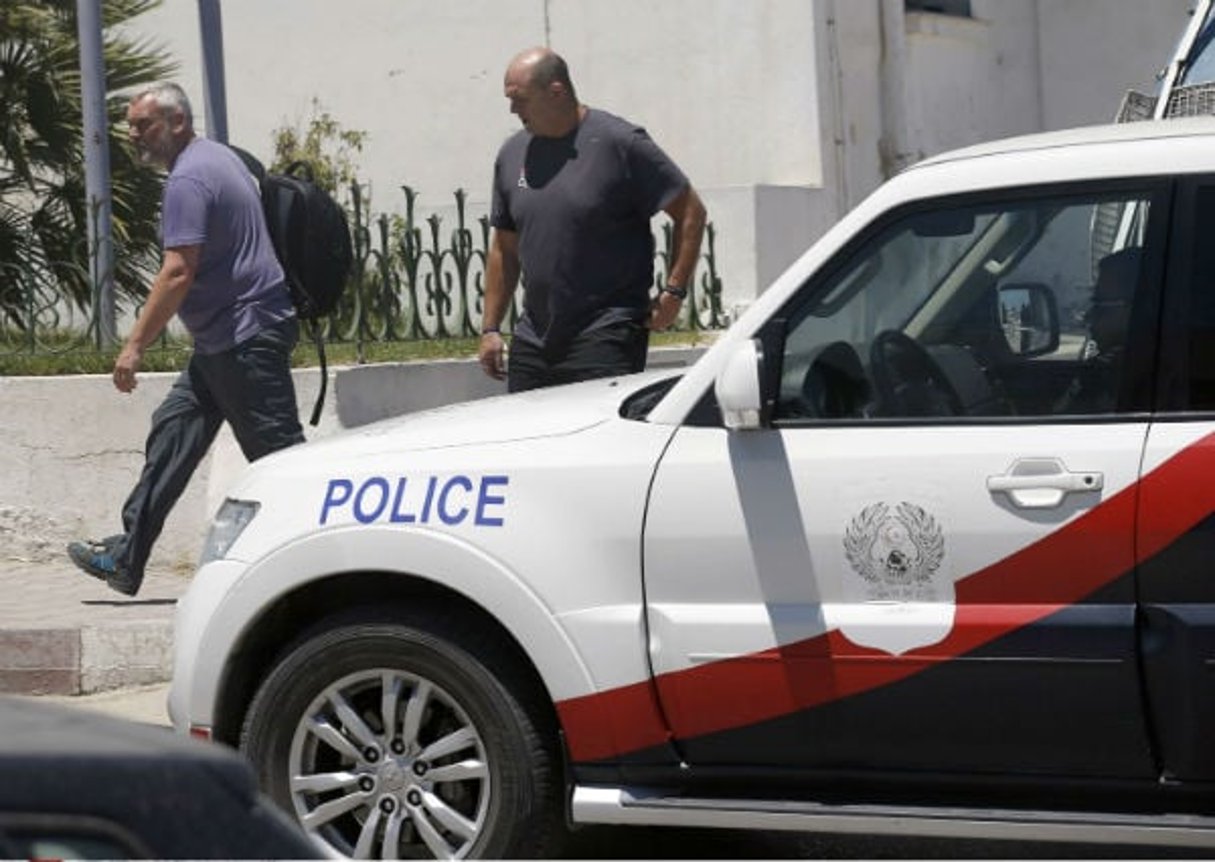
[147,704]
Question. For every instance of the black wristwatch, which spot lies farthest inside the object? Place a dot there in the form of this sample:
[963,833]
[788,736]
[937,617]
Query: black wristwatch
[677,292]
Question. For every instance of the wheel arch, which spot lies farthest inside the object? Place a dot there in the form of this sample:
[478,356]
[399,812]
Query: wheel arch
[291,593]
[298,614]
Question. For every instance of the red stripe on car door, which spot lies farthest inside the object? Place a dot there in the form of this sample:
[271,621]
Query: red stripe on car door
[1021,589]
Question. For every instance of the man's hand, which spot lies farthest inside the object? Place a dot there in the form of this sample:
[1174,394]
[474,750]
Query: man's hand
[492,354]
[501,278]
[166,296]
[126,366]
[664,310]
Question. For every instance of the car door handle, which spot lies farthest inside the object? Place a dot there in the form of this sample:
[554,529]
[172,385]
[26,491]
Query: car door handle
[1042,483]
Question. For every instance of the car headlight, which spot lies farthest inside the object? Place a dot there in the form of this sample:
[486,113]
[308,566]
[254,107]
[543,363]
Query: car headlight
[230,521]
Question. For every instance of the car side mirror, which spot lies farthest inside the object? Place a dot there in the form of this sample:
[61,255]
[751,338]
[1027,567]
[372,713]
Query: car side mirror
[1029,318]
[739,387]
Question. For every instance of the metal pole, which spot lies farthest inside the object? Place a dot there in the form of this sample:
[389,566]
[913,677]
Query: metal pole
[210,25]
[1181,57]
[97,165]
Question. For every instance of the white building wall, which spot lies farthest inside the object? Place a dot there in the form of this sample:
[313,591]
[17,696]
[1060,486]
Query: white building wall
[423,79]
[1093,51]
[857,37]
[970,80]
[784,113]
[727,87]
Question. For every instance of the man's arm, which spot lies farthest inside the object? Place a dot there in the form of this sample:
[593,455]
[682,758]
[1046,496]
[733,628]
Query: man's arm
[501,279]
[689,215]
[166,296]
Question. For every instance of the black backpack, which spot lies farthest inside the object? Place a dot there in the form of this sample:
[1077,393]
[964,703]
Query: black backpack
[311,238]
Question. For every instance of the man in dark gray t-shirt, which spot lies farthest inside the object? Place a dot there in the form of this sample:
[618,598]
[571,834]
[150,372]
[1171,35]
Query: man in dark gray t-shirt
[573,196]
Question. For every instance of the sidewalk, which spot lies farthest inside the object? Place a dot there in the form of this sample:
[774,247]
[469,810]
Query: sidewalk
[62,632]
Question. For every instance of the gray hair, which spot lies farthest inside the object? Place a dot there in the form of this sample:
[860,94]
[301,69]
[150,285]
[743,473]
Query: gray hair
[169,97]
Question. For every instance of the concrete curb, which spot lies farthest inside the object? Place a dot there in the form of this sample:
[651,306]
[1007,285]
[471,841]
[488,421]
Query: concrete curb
[40,661]
[85,660]
[125,654]
[62,632]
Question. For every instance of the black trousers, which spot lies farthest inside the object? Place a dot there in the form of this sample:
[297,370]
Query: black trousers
[605,351]
[250,386]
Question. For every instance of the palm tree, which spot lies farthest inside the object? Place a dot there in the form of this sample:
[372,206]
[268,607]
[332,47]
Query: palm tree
[43,211]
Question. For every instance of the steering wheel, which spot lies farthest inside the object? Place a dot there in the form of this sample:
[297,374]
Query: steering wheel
[908,381]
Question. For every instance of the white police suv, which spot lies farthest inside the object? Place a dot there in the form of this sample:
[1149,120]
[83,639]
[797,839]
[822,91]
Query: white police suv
[925,544]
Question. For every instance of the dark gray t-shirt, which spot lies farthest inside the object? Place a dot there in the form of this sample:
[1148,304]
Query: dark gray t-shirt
[581,206]
[210,199]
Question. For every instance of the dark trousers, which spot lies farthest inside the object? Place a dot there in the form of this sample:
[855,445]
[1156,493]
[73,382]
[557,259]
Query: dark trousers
[250,386]
[605,351]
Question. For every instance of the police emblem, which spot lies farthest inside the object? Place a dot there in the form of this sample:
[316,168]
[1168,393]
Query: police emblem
[896,552]
[899,595]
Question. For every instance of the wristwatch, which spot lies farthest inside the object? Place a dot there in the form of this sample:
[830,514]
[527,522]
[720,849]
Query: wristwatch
[677,292]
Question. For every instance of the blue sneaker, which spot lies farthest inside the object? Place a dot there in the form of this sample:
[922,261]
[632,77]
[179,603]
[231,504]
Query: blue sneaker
[96,559]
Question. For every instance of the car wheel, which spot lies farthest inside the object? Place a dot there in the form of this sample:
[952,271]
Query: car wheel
[404,740]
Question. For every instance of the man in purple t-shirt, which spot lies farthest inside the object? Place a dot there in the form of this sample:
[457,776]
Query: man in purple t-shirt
[220,276]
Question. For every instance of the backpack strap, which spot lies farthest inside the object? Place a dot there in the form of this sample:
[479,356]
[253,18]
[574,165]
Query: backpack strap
[252,164]
[319,340]
[300,169]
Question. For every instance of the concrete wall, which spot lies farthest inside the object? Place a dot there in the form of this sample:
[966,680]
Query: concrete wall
[1022,66]
[1093,51]
[424,79]
[916,84]
[853,58]
[970,79]
[71,447]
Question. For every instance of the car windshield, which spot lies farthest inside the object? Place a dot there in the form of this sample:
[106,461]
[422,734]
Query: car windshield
[639,404]
[1201,66]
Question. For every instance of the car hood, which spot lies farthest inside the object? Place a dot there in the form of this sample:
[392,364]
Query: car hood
[540,413]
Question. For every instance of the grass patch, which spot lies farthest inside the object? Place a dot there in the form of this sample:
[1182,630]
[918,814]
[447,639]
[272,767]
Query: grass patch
[171,354]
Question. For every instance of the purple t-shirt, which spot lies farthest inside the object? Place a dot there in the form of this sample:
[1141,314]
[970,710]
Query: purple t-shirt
[210,199]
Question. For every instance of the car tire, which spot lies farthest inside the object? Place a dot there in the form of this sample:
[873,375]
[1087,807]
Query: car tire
[466,771]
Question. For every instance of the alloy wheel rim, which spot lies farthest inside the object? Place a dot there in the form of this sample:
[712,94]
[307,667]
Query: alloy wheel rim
[387,764]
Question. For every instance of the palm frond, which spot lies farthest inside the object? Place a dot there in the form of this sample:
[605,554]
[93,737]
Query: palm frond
[44,215]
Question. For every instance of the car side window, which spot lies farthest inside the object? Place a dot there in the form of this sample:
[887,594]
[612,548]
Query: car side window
[987,311]
[1200,321]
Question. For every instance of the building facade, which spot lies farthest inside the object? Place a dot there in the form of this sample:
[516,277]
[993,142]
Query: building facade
[784,113]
